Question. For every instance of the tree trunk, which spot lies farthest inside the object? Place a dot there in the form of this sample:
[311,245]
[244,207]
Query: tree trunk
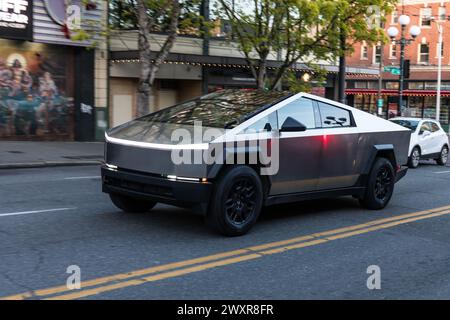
[144,89]
[262,73]
[150,68]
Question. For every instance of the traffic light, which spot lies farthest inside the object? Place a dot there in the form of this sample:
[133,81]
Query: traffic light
[406,69]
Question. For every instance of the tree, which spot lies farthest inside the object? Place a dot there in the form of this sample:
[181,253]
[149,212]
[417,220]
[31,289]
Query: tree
[298,30]
[359,20]
[146,16]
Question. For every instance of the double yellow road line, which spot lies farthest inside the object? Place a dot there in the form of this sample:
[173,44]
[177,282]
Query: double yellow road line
[138,277]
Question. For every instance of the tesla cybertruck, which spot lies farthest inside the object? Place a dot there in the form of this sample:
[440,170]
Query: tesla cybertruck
[232,152]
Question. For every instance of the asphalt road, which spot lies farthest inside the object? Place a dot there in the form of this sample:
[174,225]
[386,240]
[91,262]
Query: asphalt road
[54,218]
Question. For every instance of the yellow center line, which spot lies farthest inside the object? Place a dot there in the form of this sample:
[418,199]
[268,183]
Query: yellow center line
[225,258]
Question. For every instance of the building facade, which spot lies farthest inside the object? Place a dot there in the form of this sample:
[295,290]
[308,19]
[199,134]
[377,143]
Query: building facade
[420,87]
[190,72]
[50,83]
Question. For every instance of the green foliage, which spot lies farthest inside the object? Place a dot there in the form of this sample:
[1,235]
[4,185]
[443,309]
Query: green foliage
[299,30]
[123,15]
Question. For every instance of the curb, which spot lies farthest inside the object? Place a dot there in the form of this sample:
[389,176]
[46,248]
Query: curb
[49,164]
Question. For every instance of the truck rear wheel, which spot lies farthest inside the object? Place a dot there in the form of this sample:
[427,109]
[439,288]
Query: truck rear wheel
[236,202]
[380,185]
[131,205]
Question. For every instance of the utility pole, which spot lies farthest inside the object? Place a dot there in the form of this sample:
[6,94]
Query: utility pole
[379,109]
[342,66]
[439,77]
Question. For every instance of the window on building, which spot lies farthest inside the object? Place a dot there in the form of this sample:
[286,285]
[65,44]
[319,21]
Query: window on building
[442,50]
[425,16]
[377,55]
[424,56]
[442,15]
[394,17]
[334,117]
[393,51]
[364,51]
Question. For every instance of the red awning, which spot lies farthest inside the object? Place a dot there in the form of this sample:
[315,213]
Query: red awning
[387,92]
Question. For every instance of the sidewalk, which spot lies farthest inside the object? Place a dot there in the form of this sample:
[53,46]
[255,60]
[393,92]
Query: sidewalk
[15,155]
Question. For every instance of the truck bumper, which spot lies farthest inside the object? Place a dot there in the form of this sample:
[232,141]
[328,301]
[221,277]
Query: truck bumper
[155,188]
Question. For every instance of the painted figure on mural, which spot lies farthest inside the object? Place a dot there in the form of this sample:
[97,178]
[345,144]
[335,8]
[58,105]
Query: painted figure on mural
[31,103]
[22,81]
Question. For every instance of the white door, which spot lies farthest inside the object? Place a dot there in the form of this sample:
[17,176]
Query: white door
[122,109]
[426,138]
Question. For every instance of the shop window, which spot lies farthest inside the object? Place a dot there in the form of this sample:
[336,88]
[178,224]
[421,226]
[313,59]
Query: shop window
[424,53]
[430,108]
[445,103]
[415,106]
[359,101]
[430,85]
[425,17]
[390,85]
[167,84]
[372,85]
[415,85]
[360,84]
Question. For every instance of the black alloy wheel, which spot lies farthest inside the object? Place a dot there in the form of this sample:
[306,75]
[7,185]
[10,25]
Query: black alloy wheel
[236,201]
[241,202]
[380,185]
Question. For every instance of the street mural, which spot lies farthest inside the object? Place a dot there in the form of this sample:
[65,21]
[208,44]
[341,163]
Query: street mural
[36,86]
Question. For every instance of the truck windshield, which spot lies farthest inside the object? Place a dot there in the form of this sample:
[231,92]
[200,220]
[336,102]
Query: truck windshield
[223,109]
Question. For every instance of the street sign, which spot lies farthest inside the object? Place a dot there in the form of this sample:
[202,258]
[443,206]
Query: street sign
[392,70]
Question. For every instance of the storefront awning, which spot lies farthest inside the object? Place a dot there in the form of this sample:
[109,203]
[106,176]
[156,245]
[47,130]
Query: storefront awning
[388,92]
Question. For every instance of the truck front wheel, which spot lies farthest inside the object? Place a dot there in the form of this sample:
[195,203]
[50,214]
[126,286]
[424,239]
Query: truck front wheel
[236,202]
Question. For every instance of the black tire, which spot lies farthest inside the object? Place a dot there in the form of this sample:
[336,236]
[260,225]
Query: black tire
[414,158]
[237,202]
[131,205]
[380,185]
[443,157]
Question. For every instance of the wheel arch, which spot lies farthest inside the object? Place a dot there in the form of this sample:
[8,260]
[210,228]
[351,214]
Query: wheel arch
[386,151]
[265,180]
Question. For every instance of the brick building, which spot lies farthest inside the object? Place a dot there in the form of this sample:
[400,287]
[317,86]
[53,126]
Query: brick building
[420,87]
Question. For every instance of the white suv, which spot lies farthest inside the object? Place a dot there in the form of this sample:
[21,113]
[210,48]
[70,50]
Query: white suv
[428,140]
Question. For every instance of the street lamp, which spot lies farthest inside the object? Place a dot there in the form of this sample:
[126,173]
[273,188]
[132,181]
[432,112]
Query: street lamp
[439,77]
[393,32]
